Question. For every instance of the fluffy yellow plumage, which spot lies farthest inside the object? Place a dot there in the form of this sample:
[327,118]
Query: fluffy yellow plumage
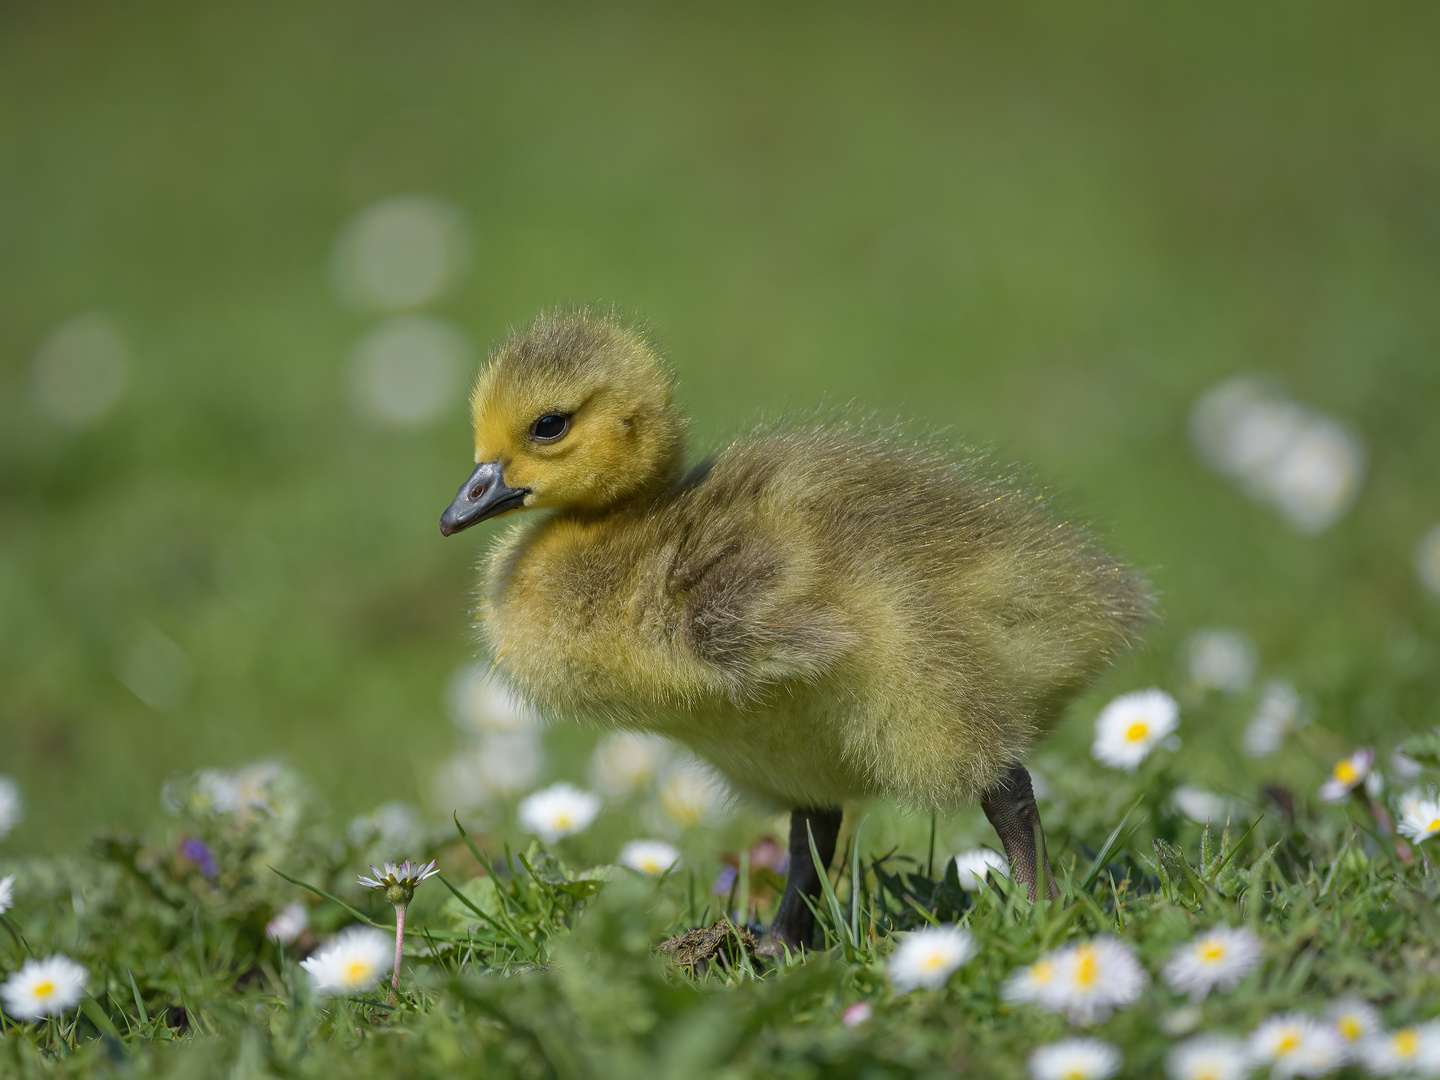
[826,612]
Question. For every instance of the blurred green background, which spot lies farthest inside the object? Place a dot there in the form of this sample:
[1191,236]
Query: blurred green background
[1048,228]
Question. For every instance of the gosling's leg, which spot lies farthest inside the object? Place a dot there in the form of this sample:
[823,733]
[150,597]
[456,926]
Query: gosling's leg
[794,924]
[1010,806]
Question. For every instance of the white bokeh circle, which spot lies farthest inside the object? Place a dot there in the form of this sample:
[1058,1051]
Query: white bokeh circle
[400,253]
[81,369]
[405,370]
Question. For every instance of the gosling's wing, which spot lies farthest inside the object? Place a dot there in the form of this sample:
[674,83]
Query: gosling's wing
[749,606]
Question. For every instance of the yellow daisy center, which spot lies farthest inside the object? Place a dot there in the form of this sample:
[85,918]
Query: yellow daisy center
[356,971]
[1406,1042]
[933,962]
[1137,731]
[1210,951]
[1206,1072]
[1042,971]
[44,988]
[1434,826]
[1351,1028]
[562,820]
[1288,1042]
[1086,969]
[1078,1072]
[1346,773]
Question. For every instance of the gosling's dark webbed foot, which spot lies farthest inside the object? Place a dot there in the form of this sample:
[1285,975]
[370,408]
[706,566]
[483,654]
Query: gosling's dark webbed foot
[794,924]
[1010,806]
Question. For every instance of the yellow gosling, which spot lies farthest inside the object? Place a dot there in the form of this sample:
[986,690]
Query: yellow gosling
[827,612]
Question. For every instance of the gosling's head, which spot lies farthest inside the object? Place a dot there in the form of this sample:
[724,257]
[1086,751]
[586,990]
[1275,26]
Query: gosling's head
[578,413]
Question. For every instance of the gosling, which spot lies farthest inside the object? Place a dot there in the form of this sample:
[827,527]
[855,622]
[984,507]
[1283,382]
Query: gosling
[827,613]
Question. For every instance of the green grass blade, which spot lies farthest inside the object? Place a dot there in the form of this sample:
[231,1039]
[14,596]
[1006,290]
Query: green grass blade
[139,1002]
[15,933]
[855,883]
[523,944]
[1335,865]
[544,886]
[1238,844]
[830,898]
[332,898]
[928,916]
[1110,844]
[468,842]
[91,1008]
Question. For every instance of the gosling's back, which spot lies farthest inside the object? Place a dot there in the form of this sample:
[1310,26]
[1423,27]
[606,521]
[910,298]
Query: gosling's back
[825,612]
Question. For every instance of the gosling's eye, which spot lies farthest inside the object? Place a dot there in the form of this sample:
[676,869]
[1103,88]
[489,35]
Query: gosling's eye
[550,427]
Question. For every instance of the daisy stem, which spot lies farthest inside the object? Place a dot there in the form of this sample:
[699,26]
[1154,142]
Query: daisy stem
[399,941]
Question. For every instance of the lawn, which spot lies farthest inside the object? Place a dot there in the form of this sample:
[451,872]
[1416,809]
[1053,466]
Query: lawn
[1046,232]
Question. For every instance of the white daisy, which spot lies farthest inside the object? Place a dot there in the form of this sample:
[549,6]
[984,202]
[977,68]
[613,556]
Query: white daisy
[291,921]
[496,767]
[691,793]
[1307,465]
[972,866]
[1278,714]
[7,893]
[1419,818]
[1411,800]
[624,762]
[1216,960]
[43,988]
[241,792]
[1199,805]
[1033,984]
[1129,727]
[1182,1021]
[11,808]
[1408,1051]
[1208,1057]
[1220,660]
[1075,1059]
[1294,1044]
[1356,1022]
[1086,982]
[1349,773]
[559,810]
[1317,477]
[481,705]
[929,956]
[651,857]
[354,960]
[398,881]
[1404,766]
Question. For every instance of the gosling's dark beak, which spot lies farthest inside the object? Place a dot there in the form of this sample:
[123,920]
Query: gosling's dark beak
[483,496]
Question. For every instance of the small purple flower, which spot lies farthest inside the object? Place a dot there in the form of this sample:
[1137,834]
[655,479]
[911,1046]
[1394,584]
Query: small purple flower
[198,852]
[856,1014]
[726,881]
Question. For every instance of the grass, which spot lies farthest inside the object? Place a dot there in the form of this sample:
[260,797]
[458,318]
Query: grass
[538,967]
[1047,230]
